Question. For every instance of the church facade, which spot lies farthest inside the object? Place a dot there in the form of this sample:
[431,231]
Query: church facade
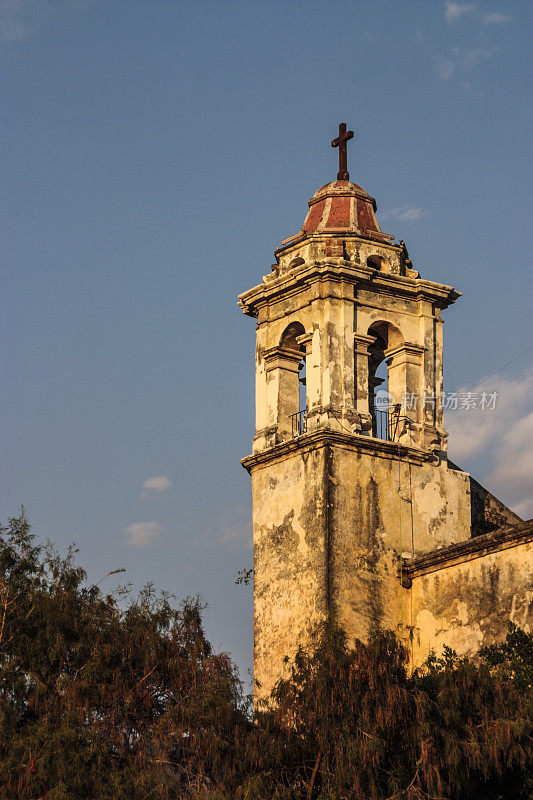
[357,511]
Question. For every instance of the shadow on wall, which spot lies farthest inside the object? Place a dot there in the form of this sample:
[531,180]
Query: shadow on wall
[488,513]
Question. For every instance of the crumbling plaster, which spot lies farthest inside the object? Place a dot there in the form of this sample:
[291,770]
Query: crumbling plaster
[468,604]
[290,562]
[329,531]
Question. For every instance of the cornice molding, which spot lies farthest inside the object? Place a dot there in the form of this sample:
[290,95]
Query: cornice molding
[325,436]
[282,357]
[296,241]
[340,270]
[477,547]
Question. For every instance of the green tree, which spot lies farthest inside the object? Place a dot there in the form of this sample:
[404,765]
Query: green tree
[353,723]
[99,700]
[513,659]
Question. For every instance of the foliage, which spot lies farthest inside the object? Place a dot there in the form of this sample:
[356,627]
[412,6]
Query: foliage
[104,696]
[353,723]
[245,576]
[513,659]
[102,701]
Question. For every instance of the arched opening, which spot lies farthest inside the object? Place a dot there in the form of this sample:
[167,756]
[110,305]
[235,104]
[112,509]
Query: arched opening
[298,402]
[381,403]
[296,262]
[378,386]
[374,262]
[290,335]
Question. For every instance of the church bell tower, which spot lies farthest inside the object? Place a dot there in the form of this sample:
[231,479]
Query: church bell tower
[349,468]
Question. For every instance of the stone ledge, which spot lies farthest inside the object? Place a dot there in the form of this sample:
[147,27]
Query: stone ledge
[345,272]
[479,546]
[324,436]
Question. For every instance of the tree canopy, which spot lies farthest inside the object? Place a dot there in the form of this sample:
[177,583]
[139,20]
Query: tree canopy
[103,699]
[114,696]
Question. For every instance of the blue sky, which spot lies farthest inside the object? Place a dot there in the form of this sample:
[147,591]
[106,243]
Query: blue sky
[155,153]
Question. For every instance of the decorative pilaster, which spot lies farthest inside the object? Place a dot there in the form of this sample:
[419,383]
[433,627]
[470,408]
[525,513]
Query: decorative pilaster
[361,344]
[282,373]
[405,364]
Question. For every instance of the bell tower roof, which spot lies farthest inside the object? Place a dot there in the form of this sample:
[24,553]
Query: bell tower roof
[341,207]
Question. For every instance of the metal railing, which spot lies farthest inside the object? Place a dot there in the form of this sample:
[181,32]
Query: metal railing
[298,422]
[380,425]
[388,425]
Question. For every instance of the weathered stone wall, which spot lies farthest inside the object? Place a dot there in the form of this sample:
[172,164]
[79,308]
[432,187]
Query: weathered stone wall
[290,558]
[330,530]
[328,535]
[439,514]
[464,596]
[373,524]
[487,512]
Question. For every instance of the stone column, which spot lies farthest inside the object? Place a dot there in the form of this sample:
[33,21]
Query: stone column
[282,371]
[428,388]
[349,386]
[362,400]
[329,414]
[312,375]
[439,381]
[260,381]
[331,388]
[433,436]
[405,365]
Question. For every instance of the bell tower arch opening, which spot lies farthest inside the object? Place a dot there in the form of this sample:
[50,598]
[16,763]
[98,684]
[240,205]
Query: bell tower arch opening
[378,386]
[296,400]
[384,392]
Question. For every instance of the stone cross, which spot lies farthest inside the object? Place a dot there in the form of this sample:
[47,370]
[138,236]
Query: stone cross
[340,142]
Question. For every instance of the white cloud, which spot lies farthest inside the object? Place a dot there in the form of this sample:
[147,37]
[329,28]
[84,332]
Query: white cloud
[458,59]
[232,528]
[16,20]
[513,473]
[405,213]
[445,67]
[21,19]
[141,534]
[501,439]
[497,19]
[454,11]
[476,54]
[461,59]
[157,483]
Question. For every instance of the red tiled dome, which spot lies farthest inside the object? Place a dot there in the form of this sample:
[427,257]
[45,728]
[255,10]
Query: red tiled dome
[341,207]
